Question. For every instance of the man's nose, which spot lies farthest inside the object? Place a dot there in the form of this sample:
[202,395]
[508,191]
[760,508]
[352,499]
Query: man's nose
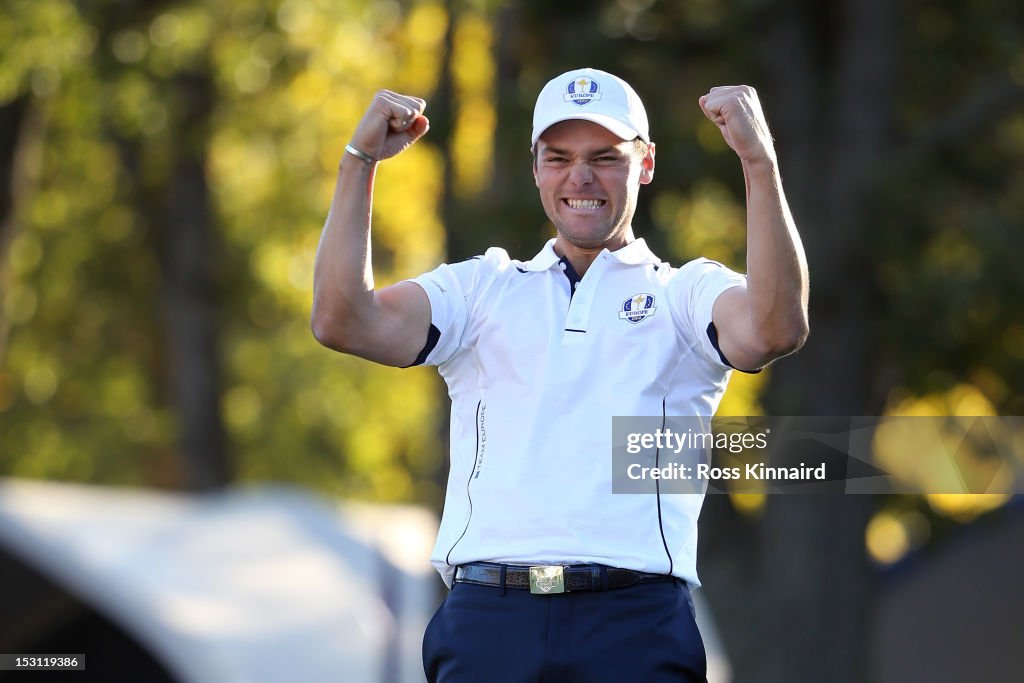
[581,174]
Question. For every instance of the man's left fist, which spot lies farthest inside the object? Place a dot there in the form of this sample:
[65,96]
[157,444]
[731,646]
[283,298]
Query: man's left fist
[736,111]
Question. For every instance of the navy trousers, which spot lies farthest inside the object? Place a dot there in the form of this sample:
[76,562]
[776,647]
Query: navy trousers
[482,634]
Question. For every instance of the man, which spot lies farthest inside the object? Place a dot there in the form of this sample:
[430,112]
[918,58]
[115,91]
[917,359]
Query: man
[553,577]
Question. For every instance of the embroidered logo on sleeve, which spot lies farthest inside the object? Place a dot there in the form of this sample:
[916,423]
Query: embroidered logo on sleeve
[637,308]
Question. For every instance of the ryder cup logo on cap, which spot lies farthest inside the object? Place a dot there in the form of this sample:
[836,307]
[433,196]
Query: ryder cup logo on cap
[591,95]
[582,92]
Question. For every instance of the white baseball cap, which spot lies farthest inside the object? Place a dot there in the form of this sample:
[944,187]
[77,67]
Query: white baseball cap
[591,95]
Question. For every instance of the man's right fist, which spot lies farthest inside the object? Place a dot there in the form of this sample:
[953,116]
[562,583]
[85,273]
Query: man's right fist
[392,123]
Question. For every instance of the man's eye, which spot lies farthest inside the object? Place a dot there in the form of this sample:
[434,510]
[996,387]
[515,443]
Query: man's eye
[607,158]
[555,160]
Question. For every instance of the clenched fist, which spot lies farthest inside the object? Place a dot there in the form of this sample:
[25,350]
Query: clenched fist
[736,111]
[392,123]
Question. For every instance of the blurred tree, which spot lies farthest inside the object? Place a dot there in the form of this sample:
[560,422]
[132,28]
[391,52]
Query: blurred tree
[167,186]
[163,186]
[184,157]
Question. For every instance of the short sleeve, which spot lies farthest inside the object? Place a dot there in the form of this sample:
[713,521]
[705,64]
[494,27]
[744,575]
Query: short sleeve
[697,285]
[452,290]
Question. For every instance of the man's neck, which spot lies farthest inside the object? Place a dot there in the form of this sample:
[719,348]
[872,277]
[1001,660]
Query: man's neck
[582,257]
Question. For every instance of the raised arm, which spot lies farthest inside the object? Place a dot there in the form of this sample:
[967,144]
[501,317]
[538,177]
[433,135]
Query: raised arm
[388,326]
[767,319]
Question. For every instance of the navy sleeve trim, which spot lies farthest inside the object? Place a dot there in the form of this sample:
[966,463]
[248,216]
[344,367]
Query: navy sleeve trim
[713,336]
[433,336]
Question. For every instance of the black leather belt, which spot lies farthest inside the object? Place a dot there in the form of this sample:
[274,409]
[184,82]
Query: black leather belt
[548,579]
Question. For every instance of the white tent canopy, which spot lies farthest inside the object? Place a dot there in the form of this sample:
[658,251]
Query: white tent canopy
[247,585]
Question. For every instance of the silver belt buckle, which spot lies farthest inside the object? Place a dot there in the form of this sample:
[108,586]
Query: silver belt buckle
[547,580]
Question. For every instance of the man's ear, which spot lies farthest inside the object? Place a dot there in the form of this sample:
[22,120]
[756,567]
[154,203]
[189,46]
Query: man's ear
[647,170]
[535,168]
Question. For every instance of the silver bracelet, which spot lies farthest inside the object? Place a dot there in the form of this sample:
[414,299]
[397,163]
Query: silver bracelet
[359,154]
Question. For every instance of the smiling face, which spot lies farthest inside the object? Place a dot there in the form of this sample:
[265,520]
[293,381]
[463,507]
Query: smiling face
[588,180]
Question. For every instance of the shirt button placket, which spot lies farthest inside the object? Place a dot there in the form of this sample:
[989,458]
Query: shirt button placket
[578,317]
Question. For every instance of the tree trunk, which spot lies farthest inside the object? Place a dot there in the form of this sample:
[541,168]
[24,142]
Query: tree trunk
[13,130]
[188,256]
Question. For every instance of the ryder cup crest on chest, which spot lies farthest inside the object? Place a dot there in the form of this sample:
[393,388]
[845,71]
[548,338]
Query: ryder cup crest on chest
[637,308]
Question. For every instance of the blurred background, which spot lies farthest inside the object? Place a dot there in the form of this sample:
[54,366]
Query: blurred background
[165,171]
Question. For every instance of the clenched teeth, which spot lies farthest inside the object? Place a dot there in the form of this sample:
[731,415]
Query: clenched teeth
[585,203]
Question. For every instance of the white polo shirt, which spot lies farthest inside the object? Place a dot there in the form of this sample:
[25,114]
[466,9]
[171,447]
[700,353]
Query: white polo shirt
[536,373]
